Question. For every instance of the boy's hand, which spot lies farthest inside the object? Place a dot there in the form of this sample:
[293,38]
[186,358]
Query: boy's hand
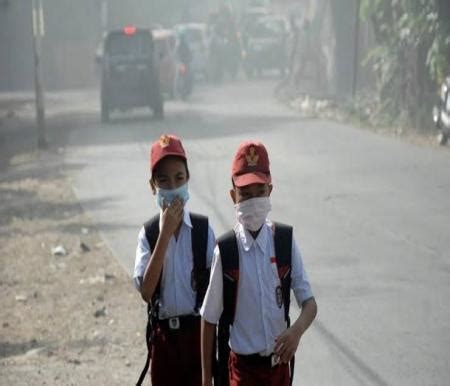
[171,217]
[286,344]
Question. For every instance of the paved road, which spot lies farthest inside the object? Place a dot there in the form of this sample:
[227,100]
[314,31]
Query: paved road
[372,215]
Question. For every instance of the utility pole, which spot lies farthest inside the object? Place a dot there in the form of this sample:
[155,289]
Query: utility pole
[38,34]
[356,49]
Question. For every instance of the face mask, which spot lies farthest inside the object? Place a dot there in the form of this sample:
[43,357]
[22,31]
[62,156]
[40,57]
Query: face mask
[167,196]
[252,213]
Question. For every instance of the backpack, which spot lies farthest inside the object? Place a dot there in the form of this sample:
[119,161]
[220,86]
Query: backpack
[200,274]
[229,254]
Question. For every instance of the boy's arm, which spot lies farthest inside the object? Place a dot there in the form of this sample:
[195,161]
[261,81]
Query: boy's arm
[207,341]
[287,343]
[171,219]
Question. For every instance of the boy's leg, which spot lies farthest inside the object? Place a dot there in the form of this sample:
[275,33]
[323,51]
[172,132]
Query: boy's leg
[242,374]
[190,348]
[279,375]
[164,369]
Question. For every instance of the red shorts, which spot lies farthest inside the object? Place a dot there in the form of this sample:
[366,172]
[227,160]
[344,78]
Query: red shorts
[246,371]
[176,354]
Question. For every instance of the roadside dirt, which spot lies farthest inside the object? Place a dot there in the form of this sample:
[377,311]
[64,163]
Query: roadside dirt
[69,319]
[326,109]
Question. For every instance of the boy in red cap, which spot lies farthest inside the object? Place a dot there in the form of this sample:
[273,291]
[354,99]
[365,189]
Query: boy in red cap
[173,258]
[254,268]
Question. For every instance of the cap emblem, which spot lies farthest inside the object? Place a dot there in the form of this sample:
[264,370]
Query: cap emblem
[252,158]
[164,141]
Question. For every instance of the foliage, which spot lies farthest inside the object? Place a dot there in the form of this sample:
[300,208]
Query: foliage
[411,55]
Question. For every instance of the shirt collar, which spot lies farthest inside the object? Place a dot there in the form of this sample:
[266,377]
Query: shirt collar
[187,217]
[247,239]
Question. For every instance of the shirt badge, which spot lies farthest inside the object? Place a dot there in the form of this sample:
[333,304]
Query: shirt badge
[279,296]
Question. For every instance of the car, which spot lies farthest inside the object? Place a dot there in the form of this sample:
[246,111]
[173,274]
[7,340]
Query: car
[197,39]
[165,42]
[129,73]
[266,43]
[441,113]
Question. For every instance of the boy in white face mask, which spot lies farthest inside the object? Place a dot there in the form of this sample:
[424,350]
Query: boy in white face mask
[255,267]
[173,257]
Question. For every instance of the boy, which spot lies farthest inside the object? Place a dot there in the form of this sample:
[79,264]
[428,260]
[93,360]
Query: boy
[260,342]
[173,257]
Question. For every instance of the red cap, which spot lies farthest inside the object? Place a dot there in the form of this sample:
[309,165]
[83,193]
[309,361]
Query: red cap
[166,145]
[251,164]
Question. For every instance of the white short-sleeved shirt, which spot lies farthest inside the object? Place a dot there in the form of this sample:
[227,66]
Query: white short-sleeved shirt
[259,320]
[177,296]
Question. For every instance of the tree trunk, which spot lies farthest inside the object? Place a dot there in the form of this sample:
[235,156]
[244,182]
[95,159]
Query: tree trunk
[342,12]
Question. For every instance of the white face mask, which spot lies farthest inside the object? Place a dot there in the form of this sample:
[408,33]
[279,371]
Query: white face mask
[252,213]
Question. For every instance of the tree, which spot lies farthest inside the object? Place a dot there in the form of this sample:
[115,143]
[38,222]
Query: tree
[411,54]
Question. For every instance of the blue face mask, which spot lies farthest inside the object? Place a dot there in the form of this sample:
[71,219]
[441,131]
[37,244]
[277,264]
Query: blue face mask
[166,196]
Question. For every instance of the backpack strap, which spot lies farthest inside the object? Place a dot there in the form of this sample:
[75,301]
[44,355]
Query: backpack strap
[283,254]
[151,228]
[200,272]
[229,255]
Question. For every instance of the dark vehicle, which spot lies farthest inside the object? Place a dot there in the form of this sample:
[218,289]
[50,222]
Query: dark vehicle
[266,44]
[441,113]
[130,77]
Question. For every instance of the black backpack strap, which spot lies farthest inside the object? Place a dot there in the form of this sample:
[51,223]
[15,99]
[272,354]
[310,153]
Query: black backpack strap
[229,255]
[283,254]
[151,228]
[200,273]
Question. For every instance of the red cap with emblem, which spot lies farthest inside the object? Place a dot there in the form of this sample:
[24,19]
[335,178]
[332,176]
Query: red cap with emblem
[251,164]
[166,145]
